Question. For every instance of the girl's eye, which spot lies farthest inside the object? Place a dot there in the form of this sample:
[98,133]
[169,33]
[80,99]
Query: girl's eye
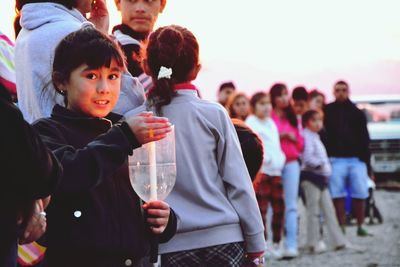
[91,76]
[113,76]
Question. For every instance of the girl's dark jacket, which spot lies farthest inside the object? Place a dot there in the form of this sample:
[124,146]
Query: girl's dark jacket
[95,217]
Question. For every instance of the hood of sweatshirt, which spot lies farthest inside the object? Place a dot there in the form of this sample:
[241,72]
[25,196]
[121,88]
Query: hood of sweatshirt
[38,14]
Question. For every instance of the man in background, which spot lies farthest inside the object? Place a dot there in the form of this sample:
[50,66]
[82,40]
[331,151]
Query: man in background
[347,142]
[138,20]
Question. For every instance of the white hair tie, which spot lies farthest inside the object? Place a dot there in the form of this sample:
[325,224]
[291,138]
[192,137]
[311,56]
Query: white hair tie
[164,73]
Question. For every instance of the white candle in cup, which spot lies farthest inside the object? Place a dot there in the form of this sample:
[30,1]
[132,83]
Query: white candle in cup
[153,171]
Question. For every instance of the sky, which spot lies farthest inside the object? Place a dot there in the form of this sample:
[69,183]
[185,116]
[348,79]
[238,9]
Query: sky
[299,42]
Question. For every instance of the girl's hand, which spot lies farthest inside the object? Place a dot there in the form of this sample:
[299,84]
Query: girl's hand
[255,259]
[99,16]
[148,128]
[158,215]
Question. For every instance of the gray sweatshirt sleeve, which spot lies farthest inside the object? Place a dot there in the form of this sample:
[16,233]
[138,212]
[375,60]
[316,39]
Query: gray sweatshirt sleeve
[311,157]
[131,96]
[238,185]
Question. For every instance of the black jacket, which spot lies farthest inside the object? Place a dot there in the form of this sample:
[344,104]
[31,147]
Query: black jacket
[29,171]
[95,217]
[346,131]
[252,147]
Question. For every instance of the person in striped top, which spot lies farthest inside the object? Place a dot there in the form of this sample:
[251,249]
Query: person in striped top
[7,66]
[138,19]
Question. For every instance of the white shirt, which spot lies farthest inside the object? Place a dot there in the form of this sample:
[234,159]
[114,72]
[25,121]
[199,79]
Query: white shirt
[274,158]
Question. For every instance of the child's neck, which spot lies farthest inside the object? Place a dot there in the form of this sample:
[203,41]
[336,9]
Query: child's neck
[262,118]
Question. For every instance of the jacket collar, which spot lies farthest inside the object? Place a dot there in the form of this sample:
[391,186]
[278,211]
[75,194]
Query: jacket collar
[64,114]
[125,29]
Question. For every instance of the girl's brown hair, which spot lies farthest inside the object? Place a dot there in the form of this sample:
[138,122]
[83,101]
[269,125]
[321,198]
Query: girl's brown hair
[172,47]
[85,46]
[231,101]
[255,99]
[276,91]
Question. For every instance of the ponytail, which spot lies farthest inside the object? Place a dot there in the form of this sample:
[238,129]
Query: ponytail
[161,94]
[172,47]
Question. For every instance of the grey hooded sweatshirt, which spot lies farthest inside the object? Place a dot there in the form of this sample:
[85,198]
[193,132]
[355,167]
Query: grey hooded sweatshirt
[213,196]
[44,25]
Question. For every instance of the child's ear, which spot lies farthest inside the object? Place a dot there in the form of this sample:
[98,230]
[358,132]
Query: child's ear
[58,82]
[195,71]
[162,5]
[118,4]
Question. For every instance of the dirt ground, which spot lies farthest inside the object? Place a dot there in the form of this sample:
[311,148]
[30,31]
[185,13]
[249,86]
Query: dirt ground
[381,249]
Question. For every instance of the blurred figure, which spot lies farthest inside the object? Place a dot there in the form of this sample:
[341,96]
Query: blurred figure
[300,101]
[316,100]
[292,145]
[29,172]
[138,19]
[252,147]
[225,90]
[238,106]
[268,184]
[347,142]
[314,179]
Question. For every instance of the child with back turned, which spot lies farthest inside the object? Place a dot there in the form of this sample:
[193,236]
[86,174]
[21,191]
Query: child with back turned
[95,218]
[218,218]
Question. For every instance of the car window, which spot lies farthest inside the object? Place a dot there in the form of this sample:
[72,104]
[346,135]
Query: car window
[381,111]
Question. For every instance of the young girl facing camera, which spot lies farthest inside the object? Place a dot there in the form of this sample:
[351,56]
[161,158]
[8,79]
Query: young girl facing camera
[219,222]
[95,217]
[268,184]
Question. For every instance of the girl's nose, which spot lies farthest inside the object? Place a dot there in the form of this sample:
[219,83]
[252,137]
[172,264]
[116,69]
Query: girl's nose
[102,86]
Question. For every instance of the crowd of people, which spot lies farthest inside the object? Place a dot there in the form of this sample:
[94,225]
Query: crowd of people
[77,101]
[312,149]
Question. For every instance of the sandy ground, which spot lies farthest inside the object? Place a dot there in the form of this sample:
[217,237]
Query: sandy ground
[381,249]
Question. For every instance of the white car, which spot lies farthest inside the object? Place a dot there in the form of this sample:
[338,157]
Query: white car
[383,115]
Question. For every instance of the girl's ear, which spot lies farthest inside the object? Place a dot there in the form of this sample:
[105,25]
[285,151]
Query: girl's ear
[58,82]
[118,4]
[194,72]
[162,5]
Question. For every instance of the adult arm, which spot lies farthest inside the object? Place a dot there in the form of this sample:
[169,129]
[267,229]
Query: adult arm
[29,168]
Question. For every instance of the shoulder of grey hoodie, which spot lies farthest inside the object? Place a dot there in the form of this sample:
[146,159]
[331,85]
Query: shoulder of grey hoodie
[235,199]
[44,25]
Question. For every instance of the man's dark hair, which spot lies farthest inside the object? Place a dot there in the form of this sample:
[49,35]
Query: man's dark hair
[341,82]
[300,93]
[227,85]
